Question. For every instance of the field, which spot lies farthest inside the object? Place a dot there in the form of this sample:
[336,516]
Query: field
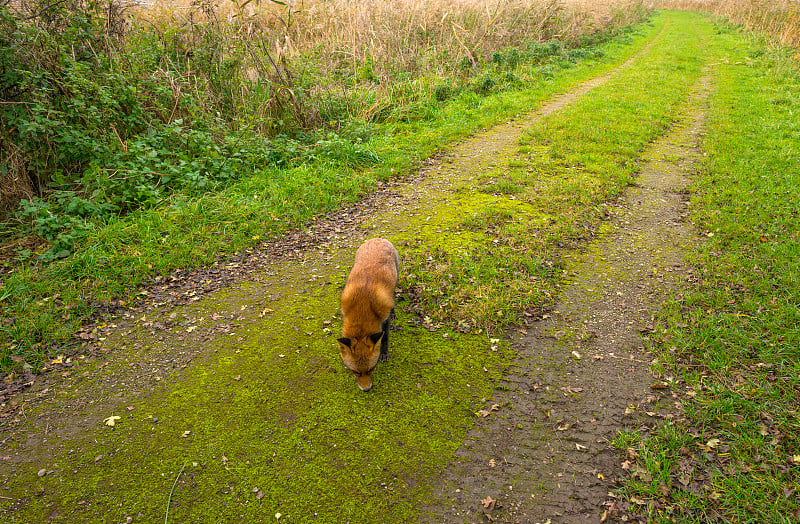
[595,206]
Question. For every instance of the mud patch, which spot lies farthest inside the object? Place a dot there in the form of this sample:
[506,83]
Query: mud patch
[542,453]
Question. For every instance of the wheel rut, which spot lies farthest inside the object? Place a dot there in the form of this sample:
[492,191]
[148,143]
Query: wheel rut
[543,453]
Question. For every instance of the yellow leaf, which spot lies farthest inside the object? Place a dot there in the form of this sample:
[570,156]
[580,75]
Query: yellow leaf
[111,421]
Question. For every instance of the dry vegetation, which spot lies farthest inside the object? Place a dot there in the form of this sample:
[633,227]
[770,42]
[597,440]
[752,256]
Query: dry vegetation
[780,18]
[342,47]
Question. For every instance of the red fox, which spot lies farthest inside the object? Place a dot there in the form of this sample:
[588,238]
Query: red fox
[368,308]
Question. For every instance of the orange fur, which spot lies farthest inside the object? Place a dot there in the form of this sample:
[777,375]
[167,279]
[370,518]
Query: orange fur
[367,304]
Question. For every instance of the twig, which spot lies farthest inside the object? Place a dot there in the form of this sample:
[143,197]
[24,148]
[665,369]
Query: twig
[169,501]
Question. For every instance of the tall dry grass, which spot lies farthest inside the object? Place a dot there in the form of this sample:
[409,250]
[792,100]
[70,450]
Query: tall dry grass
[340,49]
[399,32]
[780,18]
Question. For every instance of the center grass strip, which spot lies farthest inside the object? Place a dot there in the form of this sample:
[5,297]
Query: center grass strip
[551,191]
[735,338]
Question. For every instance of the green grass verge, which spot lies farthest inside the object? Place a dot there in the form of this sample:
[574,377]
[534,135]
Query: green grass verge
[44,305]
[735,338]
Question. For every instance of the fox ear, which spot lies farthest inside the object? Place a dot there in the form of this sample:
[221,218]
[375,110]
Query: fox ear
[376,337]
[345,344]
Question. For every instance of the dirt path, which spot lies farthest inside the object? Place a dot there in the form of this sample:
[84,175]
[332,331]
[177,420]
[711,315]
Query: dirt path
[583,374]
[543,453]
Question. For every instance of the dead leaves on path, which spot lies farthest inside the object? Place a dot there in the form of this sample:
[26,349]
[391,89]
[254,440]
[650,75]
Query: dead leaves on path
[490,504]
[486,412]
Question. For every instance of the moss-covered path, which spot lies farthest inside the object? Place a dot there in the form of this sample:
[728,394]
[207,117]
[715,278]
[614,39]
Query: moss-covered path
[234,407]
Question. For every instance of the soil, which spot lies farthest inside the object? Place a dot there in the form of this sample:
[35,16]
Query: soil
[581,373]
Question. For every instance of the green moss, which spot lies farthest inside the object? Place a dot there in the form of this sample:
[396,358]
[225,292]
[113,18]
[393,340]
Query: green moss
[272,409]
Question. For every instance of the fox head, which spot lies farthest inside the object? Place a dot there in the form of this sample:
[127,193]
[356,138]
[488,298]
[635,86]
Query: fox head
[361,355]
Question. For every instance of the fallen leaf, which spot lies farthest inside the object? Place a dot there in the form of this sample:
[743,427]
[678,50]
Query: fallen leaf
[186,433]
[685,478]
[42,472]
[111,421]
[489,503]
[580,447]
[576,355]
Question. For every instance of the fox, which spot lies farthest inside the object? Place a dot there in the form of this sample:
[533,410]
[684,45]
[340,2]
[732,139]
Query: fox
[368,308]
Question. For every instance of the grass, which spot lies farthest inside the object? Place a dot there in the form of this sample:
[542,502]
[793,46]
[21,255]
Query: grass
[301,441]
[734,338]
[116,255]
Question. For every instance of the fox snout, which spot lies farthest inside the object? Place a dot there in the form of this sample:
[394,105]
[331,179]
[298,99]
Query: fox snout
[364,382]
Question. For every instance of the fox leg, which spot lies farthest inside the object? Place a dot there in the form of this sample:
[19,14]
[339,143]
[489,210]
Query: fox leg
[385,340]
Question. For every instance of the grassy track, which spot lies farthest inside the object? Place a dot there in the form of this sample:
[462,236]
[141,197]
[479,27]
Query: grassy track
[266,422]
[735,338]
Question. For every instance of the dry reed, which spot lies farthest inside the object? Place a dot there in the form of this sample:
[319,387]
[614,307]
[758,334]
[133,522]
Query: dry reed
[779,18]
[400,35]
[383,45]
